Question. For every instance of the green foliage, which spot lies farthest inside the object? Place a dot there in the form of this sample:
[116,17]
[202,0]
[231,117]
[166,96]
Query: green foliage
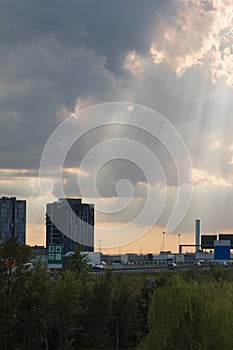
[33,313]
[69,310]
[13,281]
[101,305]
[75,310]
[125,312]
[191,315]
[78,263]
[66,311]
[143,302]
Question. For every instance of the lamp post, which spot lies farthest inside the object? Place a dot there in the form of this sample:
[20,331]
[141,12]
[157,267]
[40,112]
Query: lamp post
[163,240]
[100,245]
[179,234]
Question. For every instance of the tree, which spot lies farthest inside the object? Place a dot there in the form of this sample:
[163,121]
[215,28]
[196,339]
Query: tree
[34,312]
[66,311]
[193,315]
[13,277]
[100,312]
[125,321]
[79,263]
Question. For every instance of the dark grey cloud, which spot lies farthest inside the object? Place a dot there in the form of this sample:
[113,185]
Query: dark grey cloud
[35,82]
[110,28]
[52,53]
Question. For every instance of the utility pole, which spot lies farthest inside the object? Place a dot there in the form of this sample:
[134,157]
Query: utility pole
[100,245]
[163,240]
[179,234]
[117,336]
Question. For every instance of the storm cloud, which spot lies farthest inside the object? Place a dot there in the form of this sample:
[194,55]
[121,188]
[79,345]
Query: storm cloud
[173,56]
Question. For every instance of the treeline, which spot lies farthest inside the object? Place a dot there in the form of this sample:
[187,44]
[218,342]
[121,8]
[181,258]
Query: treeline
[193,311]
[75,310]
[70,310]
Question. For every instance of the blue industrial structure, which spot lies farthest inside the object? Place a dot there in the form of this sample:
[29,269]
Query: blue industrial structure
[222,250]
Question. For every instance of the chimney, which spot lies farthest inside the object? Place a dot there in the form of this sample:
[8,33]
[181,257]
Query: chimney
[198,231]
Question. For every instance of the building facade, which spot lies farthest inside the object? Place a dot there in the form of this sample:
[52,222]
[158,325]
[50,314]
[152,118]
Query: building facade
[70,222]
[12,219]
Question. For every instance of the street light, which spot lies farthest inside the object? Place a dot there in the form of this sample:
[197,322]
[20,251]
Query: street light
[163,240]
[100,245]
[179,234]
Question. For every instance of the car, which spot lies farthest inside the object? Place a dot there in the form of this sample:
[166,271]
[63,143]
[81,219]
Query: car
[172,266]
[100,266]
[222,263]
[69,254]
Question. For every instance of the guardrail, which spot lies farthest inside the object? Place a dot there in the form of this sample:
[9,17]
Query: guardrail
[130,270]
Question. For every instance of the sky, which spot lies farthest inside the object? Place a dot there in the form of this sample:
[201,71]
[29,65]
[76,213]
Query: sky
[127,59]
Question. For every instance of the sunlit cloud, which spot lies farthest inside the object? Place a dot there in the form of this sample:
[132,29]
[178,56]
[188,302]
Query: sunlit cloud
[204,178]
[20,186]
[157,56]
[215,144]
[75,171]
[17,173]
[177,59]
[63,112]
[202,32]
[134,63]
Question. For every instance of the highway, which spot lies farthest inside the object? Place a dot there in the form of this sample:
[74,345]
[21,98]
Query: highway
[151,269]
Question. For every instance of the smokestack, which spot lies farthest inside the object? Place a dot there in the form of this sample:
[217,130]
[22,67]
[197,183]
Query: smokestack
[198,231]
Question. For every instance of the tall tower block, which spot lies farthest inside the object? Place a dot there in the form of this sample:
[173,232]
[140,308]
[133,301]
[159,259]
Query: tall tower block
[70,222]
[12,219]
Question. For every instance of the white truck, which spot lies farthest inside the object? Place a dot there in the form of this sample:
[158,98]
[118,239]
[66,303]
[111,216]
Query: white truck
[94,258]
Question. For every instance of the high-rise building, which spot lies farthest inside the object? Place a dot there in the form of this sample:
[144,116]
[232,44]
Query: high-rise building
[70,222]
[12,219]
